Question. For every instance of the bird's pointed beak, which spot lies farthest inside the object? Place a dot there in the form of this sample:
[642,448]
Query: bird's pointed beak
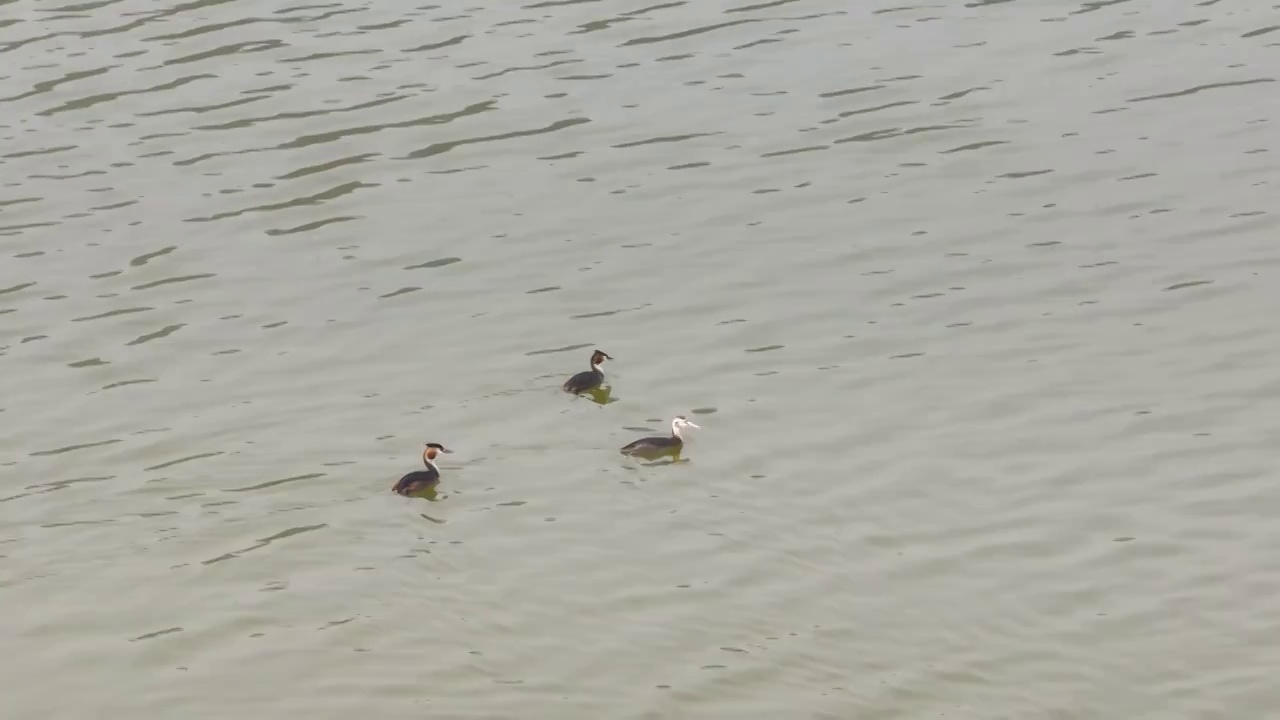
[694,426]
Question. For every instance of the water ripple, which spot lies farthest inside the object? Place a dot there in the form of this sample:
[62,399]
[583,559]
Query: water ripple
[1201,88]
[91,100]
[315,199]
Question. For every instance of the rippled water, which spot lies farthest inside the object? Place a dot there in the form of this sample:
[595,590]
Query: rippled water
[973,302]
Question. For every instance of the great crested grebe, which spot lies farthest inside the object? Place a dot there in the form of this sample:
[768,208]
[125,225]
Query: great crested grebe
[650,445]
[588,379]
[420,480]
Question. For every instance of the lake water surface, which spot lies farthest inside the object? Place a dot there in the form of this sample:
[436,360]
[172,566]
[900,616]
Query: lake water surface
[974,304]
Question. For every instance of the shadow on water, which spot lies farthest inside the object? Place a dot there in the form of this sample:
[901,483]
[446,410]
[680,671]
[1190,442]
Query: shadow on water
[430,494]
[662,456]
[601,395]
[674,460]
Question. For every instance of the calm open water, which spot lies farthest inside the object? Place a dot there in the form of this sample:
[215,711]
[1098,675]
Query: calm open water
[975,304]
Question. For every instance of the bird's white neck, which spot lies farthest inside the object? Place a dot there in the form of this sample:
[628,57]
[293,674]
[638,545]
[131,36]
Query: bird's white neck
[596,366]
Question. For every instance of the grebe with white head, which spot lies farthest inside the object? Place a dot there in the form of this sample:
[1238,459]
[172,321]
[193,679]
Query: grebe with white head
[650,445]
[588,379]
[420,480]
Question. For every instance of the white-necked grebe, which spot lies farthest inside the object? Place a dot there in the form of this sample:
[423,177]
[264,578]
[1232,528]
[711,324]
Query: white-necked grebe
[420,480]
[650,445]
[588,379]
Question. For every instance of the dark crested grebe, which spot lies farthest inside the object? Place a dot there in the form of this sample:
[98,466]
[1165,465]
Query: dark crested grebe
[588,379]
[649,445]
[420,480]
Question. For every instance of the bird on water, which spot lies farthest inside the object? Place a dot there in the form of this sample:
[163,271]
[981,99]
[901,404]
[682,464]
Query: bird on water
[588,380]
[420,480]
[658,444]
